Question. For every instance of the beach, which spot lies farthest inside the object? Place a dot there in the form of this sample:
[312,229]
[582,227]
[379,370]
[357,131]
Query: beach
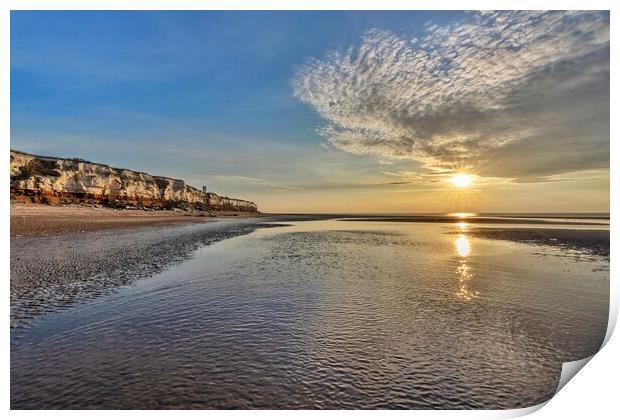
[592,241]
[42,219]
[61,254]
[301,311]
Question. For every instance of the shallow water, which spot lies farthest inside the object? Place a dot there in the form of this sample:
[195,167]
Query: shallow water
[325,314]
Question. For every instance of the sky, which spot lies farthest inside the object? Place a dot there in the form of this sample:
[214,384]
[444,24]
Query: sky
[365,112]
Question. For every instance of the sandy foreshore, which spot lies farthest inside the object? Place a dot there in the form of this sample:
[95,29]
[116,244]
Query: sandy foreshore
[592,241]
[115,318]
[42,219]
[60,255]
[590,235]
[502,220]
[54,271]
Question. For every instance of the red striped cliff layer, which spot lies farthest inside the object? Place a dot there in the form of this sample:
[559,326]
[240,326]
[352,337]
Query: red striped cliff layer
[42,179]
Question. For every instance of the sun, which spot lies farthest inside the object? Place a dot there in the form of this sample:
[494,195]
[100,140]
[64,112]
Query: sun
[461,180]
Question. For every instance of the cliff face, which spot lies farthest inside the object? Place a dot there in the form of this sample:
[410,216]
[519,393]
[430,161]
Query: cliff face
[46,179]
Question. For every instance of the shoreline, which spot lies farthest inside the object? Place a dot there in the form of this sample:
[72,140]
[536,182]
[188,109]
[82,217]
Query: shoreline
[504,220]
[593,242]
[33,220]
[64,254]
[51,272]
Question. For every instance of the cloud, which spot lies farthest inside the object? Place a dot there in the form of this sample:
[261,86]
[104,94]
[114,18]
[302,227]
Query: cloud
[507,94]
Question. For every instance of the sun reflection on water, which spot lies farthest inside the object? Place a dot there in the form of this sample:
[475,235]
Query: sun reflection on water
[464,273]
[462,245]
[462,225]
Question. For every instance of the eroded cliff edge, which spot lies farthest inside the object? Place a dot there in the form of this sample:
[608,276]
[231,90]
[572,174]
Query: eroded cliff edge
[45,179]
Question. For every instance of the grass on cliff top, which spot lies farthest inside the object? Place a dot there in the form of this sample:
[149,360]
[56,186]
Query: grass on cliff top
[36,167]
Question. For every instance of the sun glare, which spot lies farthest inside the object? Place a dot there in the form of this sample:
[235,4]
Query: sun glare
[462,245]
[461,180]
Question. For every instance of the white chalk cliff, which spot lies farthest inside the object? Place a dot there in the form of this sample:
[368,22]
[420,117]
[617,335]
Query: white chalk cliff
[49,179]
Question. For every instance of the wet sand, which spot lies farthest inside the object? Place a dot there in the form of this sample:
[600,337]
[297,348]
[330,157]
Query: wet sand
[503,220]
[595,242]
[85,303]
[327,314]
[60,255]
[85,256]
[590,235]
[42,219]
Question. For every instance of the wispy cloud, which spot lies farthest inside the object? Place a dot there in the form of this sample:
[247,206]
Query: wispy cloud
[507,94]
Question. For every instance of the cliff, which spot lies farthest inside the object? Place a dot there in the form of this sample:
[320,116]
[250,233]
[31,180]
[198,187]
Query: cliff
[55,180]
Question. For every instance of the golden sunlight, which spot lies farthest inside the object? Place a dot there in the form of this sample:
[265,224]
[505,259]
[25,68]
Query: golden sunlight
[461,180]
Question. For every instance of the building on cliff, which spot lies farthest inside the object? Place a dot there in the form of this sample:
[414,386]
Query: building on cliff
[55,180]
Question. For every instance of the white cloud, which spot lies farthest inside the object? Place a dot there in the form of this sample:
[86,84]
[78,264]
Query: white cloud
[492,88]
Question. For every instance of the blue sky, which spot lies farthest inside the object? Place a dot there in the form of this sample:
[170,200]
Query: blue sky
[253,104]
[209,69]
